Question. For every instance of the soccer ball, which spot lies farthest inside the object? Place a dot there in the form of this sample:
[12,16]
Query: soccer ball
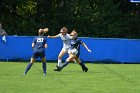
[46,30]
[74,51]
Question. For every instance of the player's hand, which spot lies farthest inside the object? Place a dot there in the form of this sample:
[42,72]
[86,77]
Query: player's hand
[49,36]
[89,51]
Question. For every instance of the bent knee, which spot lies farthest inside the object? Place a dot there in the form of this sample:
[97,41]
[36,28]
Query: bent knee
[69,59]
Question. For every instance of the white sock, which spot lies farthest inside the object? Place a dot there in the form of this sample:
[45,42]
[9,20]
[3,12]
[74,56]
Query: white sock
[59,62]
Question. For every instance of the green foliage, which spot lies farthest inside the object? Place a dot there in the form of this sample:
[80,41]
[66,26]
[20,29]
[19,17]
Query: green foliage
[94,18]
[27,9]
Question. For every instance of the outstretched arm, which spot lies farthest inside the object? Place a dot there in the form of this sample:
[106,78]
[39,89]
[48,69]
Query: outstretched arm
[86,47]
[52,36]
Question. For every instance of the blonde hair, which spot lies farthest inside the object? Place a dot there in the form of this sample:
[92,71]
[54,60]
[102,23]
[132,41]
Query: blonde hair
[74,32]
[40,32]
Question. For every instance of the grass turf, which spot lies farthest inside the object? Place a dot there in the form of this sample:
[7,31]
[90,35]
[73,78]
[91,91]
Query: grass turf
[101,78]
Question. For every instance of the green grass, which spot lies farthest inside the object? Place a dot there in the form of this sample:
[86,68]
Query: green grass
[101,78]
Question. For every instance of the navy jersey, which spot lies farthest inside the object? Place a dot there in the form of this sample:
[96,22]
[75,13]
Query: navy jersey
[39,49]
[75,43]
[39,42]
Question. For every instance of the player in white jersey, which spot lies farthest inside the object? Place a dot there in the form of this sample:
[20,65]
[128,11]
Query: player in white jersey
[66,38]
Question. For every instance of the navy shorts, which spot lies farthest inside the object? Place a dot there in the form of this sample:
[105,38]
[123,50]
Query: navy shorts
[78,54]
[38,53]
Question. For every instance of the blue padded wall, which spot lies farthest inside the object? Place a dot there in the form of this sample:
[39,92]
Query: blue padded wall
[103,49]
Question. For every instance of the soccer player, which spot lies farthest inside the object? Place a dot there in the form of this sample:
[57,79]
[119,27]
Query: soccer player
[38,44]
[66,38]
[3,33]
[75,52]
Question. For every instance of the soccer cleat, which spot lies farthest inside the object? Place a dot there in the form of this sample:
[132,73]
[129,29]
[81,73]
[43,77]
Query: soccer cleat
[24,74]
[58,68]
[86,69]
[55,68]
[83,69]
[44,74]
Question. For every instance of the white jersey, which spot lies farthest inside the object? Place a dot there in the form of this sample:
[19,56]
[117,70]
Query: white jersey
[66,40]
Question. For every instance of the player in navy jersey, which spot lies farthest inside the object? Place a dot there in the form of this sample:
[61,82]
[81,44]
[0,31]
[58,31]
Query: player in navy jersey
[75,52]
[38,44]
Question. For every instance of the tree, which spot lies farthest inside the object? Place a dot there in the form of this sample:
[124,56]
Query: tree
[93,18]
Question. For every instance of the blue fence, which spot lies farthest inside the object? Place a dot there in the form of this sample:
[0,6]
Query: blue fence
[105,50]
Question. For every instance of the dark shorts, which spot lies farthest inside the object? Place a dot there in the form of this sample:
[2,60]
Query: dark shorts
[38,53]
[78,54]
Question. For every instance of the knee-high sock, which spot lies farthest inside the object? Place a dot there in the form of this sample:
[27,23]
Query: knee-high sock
[59,62]
[44,67]
[28,67]
[65,64]
[82,65]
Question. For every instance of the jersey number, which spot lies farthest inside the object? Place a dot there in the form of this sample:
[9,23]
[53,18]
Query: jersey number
[40,39]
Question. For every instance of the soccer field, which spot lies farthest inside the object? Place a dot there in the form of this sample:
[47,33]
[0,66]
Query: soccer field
[101,78]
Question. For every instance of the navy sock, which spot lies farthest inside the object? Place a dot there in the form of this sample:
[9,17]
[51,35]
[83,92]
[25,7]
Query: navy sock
[28,67]
[65,64]
[44,67]
[82,65]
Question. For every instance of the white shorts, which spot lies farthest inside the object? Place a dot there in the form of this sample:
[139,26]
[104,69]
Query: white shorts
[67,50]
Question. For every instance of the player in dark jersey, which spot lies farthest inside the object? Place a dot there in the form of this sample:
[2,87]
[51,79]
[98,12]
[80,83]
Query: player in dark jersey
[38,44]
[75,52]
